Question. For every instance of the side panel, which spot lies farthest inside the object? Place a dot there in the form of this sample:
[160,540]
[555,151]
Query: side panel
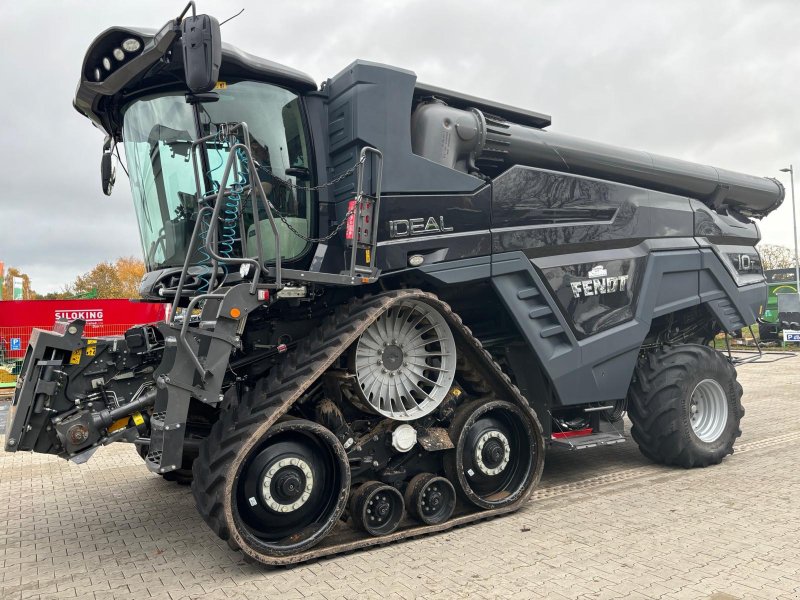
[599,368]
[370,105]
[585,265]
[440,228]
[546,213]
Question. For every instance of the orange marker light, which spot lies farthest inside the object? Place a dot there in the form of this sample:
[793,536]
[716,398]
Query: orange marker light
[235,313]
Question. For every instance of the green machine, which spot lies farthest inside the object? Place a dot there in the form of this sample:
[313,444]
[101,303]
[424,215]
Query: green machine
[779,281]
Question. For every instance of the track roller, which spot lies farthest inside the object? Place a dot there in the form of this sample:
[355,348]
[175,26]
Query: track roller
[290,486]
[496,452]
[430,499]
[377,508]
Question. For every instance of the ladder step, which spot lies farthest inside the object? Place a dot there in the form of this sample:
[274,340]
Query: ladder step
[526,293]
[551,331]
[540,311]
[588,441]
[153,460]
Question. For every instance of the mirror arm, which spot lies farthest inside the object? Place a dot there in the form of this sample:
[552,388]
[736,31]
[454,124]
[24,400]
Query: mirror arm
[185,10]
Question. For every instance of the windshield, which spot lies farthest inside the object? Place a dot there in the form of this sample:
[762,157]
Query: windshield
[158,133]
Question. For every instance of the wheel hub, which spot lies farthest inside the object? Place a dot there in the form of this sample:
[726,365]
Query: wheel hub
[379,509]
[492,452]
[708,410]
[392,357]
[287,484]
[432,499]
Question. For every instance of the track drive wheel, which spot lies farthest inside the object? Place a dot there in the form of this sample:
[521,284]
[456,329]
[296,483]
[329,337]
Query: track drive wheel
[430,499]
[377,508]
[686,406]
[498,454]
[289,488]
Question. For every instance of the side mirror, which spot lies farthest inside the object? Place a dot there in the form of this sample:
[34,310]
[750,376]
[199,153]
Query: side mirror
[202,52]
[108,173]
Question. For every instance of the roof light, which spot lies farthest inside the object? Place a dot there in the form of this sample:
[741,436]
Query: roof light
[131,45]
[118,54]
[107,63]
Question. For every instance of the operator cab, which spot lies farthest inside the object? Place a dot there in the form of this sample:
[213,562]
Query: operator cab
[158,134]
[158,92]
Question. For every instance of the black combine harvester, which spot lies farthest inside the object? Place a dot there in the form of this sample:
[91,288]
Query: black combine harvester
[388,299]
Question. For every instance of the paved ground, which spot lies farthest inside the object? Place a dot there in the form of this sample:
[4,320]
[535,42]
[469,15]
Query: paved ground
[604,524]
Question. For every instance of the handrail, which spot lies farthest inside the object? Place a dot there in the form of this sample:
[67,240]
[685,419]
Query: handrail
[211,242]
[359,198]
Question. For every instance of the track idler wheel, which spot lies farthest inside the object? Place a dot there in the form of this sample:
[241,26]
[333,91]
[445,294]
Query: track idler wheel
[430,499]
[497,452]
[377,508]
[291,488]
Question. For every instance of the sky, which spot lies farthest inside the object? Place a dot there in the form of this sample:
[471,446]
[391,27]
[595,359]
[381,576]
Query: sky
[714,82]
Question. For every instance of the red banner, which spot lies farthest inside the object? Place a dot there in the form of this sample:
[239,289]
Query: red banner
[103,317]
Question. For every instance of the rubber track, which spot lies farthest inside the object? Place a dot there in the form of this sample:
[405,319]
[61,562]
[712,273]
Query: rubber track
[237,431]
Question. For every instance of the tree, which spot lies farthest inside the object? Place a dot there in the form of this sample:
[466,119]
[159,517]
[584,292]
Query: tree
[106,280]
[102,278]
[130,271]
[774,256]
[66,293]
[8,285]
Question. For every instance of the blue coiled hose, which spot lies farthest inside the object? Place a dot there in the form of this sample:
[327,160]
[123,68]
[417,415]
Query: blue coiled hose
[229,218]
[232,208]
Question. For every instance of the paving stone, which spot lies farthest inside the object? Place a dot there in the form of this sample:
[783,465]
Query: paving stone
[604,524]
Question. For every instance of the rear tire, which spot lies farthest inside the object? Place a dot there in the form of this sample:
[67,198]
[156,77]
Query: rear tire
[686,406]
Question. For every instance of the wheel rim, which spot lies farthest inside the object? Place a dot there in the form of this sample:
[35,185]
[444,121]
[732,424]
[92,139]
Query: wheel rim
[432,499]
[496,453]
[291,490]
[378,508]
[405,362]
[708,410]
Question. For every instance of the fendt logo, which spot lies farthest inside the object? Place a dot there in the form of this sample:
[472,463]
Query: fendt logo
[88,315]
[599,283]
[421,226]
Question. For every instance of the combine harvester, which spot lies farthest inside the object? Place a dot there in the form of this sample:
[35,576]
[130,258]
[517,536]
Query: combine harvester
[388,299]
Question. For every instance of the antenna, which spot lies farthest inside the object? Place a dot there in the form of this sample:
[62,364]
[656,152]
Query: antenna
[231,18]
